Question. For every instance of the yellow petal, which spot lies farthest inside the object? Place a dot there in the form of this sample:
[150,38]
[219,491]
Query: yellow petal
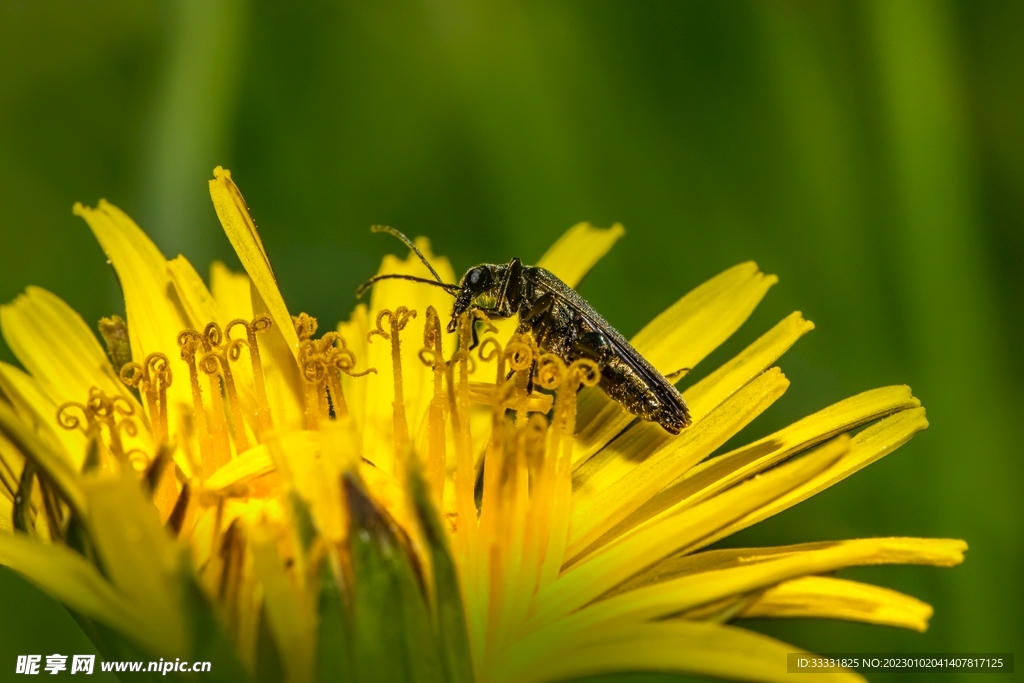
[231,291]
[824,597]
[317,460]
[39,410]
[6,511]
[669,646]
[611,485]
[219,518]
[11,462]
[869,445]
[719,473]
[576,252]
[52,460]
[696,324]
[198,303]
[280,343]
[57,348]
[66,362]
[154,318]
[202,309]
[70,578]
[283,379]
[602,570]
[751,362]
[141,269]
[679,338]
[938,552]
[249,465]
[245,238]
[694,589]
[137,554]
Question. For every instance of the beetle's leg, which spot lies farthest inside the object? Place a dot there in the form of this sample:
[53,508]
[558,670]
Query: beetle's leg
[511,288]
[475,336]
[677,375]
[540,308]
[536,319]
[493,313]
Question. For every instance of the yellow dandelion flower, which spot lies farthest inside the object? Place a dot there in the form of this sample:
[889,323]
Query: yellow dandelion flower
[226,482]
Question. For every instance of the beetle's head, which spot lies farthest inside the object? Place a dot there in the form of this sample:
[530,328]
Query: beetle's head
[478,281]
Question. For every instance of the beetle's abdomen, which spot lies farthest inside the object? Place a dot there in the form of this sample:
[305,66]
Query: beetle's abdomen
[665,405]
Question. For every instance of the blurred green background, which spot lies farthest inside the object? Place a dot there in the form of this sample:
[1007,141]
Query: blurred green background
[871,154]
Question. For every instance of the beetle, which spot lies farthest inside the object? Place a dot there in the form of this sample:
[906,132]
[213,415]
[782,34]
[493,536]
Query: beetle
[562,323]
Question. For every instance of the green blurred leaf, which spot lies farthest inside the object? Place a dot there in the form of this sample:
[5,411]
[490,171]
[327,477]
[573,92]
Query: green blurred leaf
[393,638]
[449,612]
[209,642]
[334,637]
[269,664]
[23,497]
[305,527]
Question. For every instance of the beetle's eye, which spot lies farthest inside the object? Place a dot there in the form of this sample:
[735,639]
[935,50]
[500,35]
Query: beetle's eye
[475,275]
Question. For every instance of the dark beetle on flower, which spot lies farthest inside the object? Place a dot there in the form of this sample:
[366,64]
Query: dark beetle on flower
[562,323]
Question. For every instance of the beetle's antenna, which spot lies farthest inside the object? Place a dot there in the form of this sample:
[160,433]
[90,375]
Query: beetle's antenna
[408,243]
[451,289]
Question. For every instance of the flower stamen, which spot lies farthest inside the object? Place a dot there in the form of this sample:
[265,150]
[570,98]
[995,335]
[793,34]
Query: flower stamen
[322,361]
[582,372]
[189,341]
[101,410]
[397,321]
[342,360]
[432,355]
[314,372]
[222,383]
[258,325]
[114,331]
[219,351]
[151,379]
[458,398]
